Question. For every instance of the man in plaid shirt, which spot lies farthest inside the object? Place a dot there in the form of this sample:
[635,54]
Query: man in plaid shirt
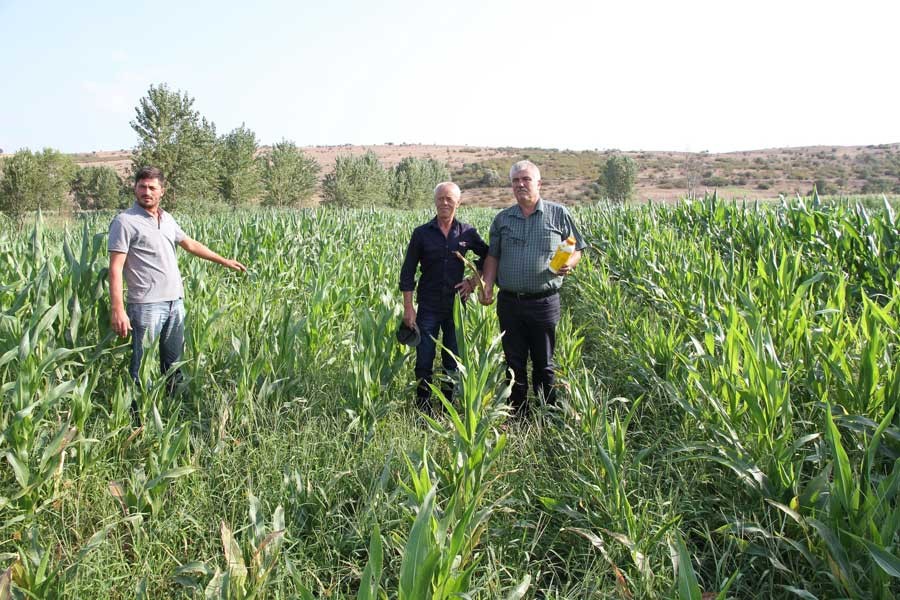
[523,238]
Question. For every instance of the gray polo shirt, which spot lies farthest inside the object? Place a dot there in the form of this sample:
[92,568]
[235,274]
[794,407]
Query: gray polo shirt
[523,246]
[151,267]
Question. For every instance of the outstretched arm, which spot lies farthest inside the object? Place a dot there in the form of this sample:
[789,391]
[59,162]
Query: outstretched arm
[198,249]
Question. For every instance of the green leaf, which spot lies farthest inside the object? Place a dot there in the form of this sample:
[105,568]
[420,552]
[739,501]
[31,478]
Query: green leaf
[20,469]
[62,439]
[888,561]
[371,577]
[420,555]
[843,479]
[688,588]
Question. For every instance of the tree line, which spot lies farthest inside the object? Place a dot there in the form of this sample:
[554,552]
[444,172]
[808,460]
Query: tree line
[204,167]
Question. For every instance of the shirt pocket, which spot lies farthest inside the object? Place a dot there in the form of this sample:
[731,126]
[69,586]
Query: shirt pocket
[550,240]
[515,236]
[552,236]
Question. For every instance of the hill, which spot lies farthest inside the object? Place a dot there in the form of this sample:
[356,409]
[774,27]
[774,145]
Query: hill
[662,176]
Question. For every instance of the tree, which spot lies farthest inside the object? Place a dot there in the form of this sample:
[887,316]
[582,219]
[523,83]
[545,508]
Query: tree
[618,177]
[98,187]
[413,181]
[357,181]
[289,175]
[35,181]
[239,175]
[174,138]
[691,169]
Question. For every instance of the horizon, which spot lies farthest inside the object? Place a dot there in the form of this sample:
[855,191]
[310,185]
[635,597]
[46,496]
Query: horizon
[437,145]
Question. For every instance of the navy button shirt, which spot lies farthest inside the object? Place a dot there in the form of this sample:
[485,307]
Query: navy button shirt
[441,269]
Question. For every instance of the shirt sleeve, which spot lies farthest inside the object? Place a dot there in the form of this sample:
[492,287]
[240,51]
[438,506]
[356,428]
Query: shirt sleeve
[495,238]
[480,248]
[119,237]
[179,234]
[410,263]
[572,230]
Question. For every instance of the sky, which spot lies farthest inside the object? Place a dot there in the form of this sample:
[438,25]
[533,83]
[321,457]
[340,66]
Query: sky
[631,75]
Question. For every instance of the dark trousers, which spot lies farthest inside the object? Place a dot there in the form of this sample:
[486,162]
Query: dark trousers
[431,322]
[529,329]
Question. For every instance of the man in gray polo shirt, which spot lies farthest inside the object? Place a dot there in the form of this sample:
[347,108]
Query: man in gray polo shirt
[141,246]
[523,238]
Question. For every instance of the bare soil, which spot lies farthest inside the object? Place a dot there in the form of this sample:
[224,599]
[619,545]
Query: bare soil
[662,176]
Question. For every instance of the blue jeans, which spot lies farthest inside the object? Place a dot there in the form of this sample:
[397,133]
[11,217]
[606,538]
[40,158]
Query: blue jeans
[430,323]
[163,320]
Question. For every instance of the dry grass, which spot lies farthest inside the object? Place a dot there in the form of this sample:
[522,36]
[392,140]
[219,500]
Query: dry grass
[662,176]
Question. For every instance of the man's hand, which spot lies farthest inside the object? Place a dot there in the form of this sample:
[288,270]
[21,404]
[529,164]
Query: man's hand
[233,264]
[409,316]
[487,298]
[465,287]
[566,269]
[120,322]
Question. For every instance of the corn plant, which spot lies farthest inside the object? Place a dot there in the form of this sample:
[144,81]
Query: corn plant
[35,479]
[686,585]
[442,549]
[375,361]
[593,496]
[36,571]
[143,493]
[248,565]
[853,518]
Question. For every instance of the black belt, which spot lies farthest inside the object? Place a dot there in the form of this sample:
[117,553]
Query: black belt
[527,296]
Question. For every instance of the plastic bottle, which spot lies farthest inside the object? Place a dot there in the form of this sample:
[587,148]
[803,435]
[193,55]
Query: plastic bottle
[563,253]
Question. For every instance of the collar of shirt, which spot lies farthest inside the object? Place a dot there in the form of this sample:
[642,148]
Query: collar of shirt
[538,207]
[434,223]
[161,213]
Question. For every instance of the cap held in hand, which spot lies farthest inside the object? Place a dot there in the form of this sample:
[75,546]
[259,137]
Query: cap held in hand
[408,335]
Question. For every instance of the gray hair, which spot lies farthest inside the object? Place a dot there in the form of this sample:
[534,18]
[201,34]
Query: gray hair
[522,165]
[448,183]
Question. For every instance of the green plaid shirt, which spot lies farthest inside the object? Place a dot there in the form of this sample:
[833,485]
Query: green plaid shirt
[523,246]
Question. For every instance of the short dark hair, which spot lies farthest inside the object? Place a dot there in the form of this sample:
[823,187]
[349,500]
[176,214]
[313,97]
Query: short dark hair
[149,173]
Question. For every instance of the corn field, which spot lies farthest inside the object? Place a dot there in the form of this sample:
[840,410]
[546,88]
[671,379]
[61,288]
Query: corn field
[728,423]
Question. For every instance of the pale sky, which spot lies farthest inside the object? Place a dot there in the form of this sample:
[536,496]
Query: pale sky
[632,75]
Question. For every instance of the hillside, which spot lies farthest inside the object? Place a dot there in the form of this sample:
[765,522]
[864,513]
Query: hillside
[663,176]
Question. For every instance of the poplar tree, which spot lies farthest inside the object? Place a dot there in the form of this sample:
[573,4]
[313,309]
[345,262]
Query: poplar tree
[289,175]
[357,181]
[413,181]
[173,137]
[240,178]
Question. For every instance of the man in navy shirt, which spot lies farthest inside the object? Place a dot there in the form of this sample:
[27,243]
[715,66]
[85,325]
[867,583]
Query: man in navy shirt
[432,248]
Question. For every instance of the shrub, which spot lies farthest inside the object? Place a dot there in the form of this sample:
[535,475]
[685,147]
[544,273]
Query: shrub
[35,181]
[715,181]
[491,178]
[97,188]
